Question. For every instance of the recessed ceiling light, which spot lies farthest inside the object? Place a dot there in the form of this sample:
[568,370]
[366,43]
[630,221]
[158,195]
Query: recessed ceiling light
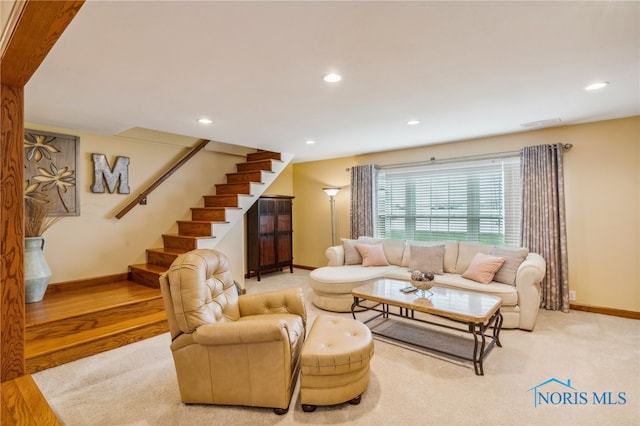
[332,78]
[413,122]
[597,85]
[310,142]
[204,121]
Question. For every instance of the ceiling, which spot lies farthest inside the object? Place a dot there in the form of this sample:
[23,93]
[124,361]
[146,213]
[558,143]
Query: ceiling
[464,69]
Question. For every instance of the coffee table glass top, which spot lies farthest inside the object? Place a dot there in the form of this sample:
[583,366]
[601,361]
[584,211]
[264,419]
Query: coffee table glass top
[451,303]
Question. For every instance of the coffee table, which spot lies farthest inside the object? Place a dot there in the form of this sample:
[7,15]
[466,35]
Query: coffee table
[480,313]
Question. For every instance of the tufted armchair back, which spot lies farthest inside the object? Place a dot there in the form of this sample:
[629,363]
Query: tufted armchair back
[202,289]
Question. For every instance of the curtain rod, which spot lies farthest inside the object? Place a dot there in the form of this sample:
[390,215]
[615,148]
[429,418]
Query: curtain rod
[434,160]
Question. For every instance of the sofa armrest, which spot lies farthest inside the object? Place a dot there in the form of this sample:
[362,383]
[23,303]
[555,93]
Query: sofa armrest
[528,278]
[241,332]
[335,255]
[288,300]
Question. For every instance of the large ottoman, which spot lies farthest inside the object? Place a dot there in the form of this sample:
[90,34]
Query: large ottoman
[334,362]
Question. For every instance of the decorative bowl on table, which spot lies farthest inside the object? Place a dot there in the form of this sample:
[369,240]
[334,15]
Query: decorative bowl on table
[423,281]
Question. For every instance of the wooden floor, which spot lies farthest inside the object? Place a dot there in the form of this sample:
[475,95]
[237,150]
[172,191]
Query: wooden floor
[23,404]
[73,321]
[76,321]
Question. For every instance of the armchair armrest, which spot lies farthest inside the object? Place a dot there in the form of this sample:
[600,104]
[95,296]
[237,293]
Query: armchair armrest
[241,332]
[288,300]
[335,255]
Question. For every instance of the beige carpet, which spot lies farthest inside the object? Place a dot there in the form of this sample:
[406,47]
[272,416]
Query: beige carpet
[599,354]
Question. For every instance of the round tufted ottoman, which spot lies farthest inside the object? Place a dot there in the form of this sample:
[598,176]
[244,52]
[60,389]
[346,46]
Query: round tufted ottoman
[334,362]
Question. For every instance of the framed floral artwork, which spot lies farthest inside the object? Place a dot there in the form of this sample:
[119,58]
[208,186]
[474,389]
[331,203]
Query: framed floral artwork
[50,171]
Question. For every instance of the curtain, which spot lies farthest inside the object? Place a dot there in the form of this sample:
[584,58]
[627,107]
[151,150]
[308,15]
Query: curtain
[543,220]
[362,200]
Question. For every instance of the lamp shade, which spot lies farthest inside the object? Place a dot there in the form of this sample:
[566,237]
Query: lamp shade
[332,191]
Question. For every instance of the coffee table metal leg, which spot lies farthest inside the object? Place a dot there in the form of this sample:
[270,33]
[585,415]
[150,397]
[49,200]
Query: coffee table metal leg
[497,327]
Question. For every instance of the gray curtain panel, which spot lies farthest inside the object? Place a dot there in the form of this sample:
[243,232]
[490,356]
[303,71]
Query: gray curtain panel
[362,200]
[543,219]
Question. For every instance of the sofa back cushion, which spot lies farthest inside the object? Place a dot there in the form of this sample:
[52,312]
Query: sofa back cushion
[427,259]
[513,256]
[466,252]
[450,253]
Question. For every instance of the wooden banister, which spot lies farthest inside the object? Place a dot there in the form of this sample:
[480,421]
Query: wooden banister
[199,145]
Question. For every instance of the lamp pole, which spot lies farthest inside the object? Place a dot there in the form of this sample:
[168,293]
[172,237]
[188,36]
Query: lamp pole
[331,192]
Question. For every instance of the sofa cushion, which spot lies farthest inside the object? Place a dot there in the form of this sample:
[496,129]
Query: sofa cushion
[427,259]
[513,256]
[350,274]
[393,249]
[508,293]
[466,252]
[351,254]
[483,267]
[372,254]
[450,253]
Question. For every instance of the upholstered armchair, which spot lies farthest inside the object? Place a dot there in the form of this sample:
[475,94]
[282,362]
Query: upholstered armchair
[230,349]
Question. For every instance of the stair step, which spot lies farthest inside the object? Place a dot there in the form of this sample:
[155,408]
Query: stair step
[264,155]
[162,256]
[121,310]
[250,176]
[233,188]
[196,228]
[232,200]
[49,353]
[213,214]
[146,274]
[266,165]
[77,321]
[187,242]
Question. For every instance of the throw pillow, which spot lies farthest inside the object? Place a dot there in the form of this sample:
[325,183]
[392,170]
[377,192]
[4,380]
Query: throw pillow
[513,258]
[372,254]
[483,267]
[351,254]
[427,259]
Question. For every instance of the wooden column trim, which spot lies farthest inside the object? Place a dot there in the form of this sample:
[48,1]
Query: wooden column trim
[31,31]
[12,305]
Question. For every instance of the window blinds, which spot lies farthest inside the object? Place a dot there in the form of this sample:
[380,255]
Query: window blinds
[475,201]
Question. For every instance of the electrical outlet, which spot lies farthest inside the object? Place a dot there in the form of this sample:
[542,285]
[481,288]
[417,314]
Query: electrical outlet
[572,295]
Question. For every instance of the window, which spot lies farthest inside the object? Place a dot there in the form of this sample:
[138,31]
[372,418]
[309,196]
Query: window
[475,201]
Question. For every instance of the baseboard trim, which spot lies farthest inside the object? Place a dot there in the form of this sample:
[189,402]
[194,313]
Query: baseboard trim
[308,268]
[606,311]
[87,282]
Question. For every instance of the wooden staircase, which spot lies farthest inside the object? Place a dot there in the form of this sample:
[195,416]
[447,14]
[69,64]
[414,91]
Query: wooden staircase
[232,198]
[83,318]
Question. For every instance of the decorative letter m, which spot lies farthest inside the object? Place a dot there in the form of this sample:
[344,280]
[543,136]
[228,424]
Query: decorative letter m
[102,172]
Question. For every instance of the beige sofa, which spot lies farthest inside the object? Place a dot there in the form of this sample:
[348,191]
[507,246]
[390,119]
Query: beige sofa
[517,282]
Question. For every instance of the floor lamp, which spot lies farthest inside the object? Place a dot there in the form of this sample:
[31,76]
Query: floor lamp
[332,192]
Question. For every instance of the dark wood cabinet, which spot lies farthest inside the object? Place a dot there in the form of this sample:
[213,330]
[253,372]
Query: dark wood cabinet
[270,234]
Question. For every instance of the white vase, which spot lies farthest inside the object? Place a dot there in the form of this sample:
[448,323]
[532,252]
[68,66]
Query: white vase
[36,270]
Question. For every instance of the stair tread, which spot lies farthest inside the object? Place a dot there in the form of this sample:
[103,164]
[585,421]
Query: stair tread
[71,303]
[150,267]
[202,221]
[43,346]
[195,237]
[166,250]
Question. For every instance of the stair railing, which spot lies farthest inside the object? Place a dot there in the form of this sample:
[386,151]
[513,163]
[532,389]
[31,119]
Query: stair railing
[140,199]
